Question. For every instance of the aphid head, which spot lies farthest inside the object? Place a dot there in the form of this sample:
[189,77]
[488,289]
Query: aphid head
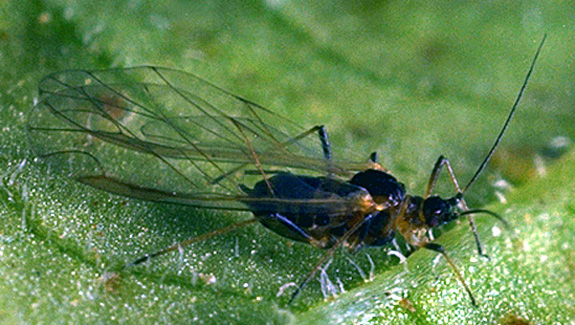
[437,211]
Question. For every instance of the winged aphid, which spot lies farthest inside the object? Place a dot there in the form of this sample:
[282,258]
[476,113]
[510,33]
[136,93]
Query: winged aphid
[164,135]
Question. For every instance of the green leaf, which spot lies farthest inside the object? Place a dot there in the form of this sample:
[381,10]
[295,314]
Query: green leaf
[409,80]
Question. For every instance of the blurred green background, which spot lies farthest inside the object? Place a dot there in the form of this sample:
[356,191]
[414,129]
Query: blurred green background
[410,80]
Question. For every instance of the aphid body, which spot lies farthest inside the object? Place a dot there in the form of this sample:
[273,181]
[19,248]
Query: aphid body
[163,135]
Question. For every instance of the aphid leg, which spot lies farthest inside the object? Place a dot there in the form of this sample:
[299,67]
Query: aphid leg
[441,162]
[326,256]
[256,159]
[295,229]
[374,157]
[323,138]
[325,146]
[312,273]
[439,249]
[285,144]
[190,241]
[374,162]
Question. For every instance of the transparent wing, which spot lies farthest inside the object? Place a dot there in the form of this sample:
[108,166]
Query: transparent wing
[165,135]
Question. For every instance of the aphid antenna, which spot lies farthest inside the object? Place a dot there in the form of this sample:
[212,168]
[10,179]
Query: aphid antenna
[488,212]
[508,120]
[489,155]
[459,197]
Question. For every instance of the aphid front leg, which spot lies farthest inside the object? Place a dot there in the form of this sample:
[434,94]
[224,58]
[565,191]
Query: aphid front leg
[441,162]
[439,249]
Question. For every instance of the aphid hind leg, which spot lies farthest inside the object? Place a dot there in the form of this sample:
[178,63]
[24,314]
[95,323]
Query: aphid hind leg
[190,241]
[290,228]
[312,273]
[325,146]
[441,162]
[323,138]
[255,157]
[326,256]
[319,129]
[439,249]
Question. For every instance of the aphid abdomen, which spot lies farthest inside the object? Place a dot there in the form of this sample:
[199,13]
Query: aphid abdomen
[304,208]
